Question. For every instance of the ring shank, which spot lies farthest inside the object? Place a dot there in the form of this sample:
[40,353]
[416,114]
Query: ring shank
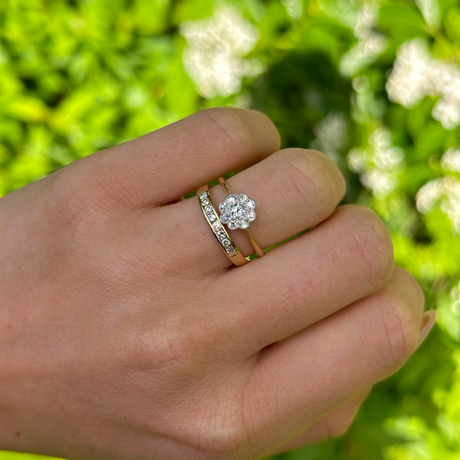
[212,218]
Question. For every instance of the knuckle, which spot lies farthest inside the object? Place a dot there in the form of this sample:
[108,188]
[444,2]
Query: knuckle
[72,204]
[313,176]
[371,248]
[179,359]
[100,181]
[85,192]
[397,332]
[184,346]
[169,348]
[228,125]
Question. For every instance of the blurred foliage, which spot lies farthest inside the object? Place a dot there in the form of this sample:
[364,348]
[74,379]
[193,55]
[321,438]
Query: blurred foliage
[82,75]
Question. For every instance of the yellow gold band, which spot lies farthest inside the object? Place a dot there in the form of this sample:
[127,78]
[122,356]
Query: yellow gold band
[212,218]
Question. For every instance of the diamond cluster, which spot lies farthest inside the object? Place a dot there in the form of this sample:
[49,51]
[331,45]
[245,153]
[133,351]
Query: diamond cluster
[237,211]
[217,227]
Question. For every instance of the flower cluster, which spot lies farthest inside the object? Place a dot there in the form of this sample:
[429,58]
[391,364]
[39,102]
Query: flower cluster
[237,211]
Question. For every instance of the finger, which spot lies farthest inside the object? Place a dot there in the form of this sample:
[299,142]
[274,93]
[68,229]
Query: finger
[316,370]
[332,425]
[294,189]
[166,164]
[346,258]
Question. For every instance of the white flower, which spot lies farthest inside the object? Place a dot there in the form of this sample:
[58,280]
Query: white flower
[370,45]
[445,193]
[407,83]
[451,160]
[214,57]
[380,182]
[367,18]
[417,74]
[379,164]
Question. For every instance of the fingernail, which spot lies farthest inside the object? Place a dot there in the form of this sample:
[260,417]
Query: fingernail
[428,320]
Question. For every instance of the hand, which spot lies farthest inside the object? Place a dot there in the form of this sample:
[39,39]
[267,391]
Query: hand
[126,333]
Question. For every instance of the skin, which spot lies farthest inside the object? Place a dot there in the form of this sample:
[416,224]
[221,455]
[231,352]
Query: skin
[126,333]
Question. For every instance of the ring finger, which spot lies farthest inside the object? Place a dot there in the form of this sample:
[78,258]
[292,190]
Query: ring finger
[294,189]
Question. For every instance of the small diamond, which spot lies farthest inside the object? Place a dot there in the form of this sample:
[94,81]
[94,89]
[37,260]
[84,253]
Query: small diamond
[222,207]
[226,242]
[208,209]
[252,216]
[216,226]
[231,250]
[251,204]
[224,218]
[244,224]
[231,199]
[221,235]
[232,225]
[203,195]
[212,217]
[204,201]
[242,197]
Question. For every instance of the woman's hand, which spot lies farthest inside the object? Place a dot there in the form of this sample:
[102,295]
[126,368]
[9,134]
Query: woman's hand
[126,333]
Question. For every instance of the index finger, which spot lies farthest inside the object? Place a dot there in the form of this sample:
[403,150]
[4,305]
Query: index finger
[164,165]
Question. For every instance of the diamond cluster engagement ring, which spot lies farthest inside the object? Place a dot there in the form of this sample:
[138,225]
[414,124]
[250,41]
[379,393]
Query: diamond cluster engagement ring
[237,211]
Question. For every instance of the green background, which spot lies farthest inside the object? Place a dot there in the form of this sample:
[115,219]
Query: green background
[78,76]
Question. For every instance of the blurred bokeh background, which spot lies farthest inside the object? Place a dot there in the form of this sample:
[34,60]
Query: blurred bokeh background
[373,84]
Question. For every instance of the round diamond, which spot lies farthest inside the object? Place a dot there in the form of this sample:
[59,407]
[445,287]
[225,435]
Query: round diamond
[231,250]
[231,199]
[222,206]
[251,204]
[204,201]
[244,224]
[212,217]
[208,209]
[226,242]
[242,197]
[203,195]
[252,216]
[232,225]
